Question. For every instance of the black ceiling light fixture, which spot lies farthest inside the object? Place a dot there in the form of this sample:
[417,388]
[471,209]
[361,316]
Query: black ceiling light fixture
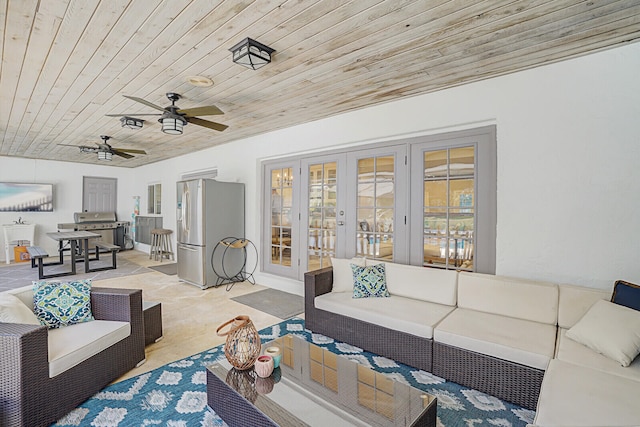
[131,122]
[251,54]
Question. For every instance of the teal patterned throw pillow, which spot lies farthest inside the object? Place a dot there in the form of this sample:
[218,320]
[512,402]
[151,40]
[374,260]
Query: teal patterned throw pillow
[370,281]
[58,304]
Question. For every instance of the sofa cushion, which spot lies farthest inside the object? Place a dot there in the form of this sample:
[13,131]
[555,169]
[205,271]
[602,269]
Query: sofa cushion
[398,313]
[12,310]
[343,274]
[423,283]
[59,304]
[576,353]
[609,329]
[70,345]
[506,296]
[573,395]
[627,294]
[575,301]
[369,281]
[24,294]
[517,340]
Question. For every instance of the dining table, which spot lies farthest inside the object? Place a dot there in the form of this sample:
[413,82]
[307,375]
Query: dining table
[78,247]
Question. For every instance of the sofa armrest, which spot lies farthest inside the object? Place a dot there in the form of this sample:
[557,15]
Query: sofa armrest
[318,282]
[115,304]
[24,362]
[21,343]
[124,305]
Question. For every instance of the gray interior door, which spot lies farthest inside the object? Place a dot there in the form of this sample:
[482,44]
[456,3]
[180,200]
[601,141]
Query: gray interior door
[99,194]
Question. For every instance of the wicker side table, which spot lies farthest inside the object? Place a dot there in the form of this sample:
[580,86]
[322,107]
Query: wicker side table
[152,312]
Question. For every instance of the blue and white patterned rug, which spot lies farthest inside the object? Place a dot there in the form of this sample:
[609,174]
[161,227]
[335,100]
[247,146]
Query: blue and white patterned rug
[175,395]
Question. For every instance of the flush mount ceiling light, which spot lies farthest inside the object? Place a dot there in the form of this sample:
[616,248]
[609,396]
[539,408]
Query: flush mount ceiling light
[105,155]
[199,81]
[251,54]
[131,122]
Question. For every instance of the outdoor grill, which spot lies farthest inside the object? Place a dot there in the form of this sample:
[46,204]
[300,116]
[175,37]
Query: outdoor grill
[104,223]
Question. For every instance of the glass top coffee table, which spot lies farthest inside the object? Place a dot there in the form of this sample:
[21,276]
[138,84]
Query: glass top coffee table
[314,387]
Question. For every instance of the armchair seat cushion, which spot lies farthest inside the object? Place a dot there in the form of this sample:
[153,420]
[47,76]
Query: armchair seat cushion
[407,315]
[521,341]
[71,345]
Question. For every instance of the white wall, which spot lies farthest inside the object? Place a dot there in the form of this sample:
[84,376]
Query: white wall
[67,180]
[568,163]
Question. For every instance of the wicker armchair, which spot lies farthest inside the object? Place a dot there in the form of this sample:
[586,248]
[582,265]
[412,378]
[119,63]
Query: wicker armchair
[29,398]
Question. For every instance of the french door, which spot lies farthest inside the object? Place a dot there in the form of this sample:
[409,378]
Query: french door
[280,222]
[323,211]
[454,201]
[429,200]
[350,207]
[377,193]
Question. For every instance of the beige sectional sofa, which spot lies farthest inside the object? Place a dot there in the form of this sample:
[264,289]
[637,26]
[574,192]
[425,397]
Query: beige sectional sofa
[503,336]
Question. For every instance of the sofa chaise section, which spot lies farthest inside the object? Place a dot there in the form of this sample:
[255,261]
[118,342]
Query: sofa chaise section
[574,395]
[501,337]
[582,387]
[32,395]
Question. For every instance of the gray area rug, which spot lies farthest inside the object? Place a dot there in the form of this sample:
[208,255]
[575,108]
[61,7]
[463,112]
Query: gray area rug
[274,302]
[19,275]
[168,269]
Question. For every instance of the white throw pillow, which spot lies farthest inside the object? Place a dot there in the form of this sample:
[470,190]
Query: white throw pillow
[611,330]
[343,274]
[12,310]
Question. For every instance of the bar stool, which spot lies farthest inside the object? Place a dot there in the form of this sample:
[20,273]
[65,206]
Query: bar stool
[161,244]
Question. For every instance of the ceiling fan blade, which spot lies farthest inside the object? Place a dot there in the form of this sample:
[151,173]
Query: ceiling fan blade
[133,115]
[82,148]
[129,150]
[210,110]
[121,154]
[145,102]
[206,123]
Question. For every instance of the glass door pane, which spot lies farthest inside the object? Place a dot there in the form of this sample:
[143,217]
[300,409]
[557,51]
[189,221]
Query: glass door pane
[375,205]
[281,211]
[322,205]
[449,207]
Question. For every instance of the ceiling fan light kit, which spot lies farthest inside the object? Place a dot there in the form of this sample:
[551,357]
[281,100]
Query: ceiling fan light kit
[105,155]
[251,54]
[131,122]
[172,125]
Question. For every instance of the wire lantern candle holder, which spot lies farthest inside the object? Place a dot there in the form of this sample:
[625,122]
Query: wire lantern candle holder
[242,347]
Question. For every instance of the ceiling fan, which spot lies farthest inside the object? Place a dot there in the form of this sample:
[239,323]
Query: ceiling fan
[174,118]
[105,150]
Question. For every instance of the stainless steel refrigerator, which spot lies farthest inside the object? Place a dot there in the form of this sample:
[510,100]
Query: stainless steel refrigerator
[208,211]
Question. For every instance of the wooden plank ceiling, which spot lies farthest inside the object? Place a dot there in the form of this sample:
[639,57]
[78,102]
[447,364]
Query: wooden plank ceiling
[67,63]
